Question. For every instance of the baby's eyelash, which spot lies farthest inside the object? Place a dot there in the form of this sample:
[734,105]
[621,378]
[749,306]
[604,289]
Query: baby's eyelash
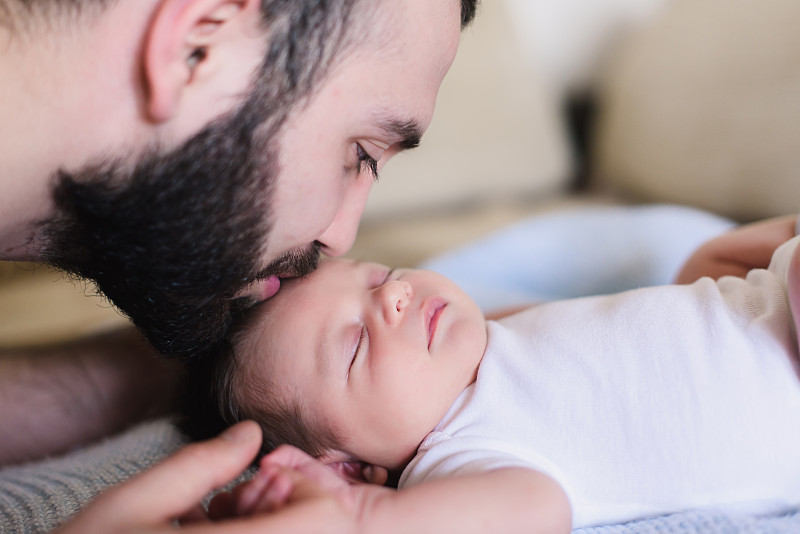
[358,348]
[361,338]
[365,159]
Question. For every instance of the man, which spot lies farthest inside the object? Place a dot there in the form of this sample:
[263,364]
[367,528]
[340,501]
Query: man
[185,154]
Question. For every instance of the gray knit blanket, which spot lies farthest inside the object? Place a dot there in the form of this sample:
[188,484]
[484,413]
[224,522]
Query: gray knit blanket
[40,496]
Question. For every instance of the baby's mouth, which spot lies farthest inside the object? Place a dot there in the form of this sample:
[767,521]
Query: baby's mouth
[432,313]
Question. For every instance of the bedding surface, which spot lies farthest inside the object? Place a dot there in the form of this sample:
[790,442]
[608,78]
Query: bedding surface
[36,498]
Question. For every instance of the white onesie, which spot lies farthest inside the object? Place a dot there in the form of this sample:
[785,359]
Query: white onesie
[647,402]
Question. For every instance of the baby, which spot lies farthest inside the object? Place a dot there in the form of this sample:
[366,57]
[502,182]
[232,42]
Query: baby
[595,410]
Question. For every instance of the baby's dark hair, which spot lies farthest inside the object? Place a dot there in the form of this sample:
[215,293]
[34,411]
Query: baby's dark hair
[224,388]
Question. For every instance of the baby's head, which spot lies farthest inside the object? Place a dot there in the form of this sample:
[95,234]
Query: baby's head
[354,363]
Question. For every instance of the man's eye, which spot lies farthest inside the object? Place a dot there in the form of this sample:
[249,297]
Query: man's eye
[365,160]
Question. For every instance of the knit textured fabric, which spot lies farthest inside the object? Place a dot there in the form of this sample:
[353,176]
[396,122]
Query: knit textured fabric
[38,497]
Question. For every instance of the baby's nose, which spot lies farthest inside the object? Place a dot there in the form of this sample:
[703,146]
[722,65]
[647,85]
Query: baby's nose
[395,296]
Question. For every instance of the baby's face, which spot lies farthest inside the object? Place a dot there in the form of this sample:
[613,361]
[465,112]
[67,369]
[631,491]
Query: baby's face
[379,354]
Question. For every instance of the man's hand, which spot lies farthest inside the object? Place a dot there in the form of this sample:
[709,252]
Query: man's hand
[154,500]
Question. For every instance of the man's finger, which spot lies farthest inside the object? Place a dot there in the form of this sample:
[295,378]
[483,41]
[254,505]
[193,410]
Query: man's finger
[176,485]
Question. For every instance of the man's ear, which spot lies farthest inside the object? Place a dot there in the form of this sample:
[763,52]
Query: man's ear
[354,470]
[182,36]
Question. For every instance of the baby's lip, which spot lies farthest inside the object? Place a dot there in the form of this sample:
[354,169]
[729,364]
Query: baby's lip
[432,311]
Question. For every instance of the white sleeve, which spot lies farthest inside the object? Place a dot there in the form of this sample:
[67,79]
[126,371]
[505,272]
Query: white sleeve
[445,456]
[781,259]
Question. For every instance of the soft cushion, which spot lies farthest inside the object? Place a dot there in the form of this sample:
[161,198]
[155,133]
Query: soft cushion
[703,108]
[496,133]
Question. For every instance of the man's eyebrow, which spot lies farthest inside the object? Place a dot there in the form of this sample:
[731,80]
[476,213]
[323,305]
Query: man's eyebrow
[409,132]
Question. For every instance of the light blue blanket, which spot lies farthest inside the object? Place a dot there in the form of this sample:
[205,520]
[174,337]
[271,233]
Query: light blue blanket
[578,252]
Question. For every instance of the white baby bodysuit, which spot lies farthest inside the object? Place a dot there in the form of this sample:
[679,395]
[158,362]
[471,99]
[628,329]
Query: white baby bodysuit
[643,403]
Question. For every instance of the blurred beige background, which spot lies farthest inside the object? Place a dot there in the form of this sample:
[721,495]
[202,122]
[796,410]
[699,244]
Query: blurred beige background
[686,101]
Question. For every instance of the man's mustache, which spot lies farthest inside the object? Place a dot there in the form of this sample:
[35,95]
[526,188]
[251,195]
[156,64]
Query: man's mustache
[294,263]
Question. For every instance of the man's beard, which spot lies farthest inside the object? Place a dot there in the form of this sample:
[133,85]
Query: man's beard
[174,239]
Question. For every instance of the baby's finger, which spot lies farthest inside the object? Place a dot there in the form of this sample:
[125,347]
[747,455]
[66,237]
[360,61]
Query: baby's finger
[272,492]
[312,468]
[288,456]
[249,493]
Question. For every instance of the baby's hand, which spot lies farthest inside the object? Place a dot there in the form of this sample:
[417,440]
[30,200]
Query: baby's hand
[267,491]
[296,464]
[298,493]
[286,476]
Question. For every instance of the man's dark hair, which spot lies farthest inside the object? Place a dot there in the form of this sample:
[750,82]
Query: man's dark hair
[172,238]
[468,7]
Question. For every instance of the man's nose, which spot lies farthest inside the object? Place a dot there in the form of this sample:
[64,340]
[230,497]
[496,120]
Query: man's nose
[339,236]
[394,297]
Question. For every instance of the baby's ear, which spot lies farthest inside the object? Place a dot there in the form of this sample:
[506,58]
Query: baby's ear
[358,472]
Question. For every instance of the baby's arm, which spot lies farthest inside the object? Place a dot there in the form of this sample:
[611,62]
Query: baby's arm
[502,500]
[737,252]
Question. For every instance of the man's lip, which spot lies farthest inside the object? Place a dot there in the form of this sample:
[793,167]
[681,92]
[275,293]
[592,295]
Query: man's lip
[269,287]
[433,310]
[261,289]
